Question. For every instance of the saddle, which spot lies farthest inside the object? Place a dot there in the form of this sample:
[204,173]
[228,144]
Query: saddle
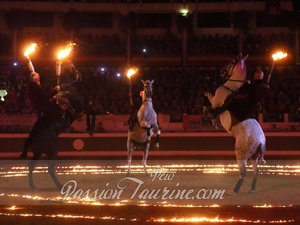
[131,122]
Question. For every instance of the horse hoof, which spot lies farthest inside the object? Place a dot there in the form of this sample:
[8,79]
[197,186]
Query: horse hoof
[147,174]
[230,193]
[35,189]
[128,174]
[251,191]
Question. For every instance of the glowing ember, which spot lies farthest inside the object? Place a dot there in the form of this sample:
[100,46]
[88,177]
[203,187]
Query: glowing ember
[184,220]
[283,170]
[279,55]
[13,208]
[30,49]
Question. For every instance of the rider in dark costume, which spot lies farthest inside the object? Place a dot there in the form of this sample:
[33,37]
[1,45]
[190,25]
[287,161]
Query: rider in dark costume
[42,101]
[247,101]
[46,104]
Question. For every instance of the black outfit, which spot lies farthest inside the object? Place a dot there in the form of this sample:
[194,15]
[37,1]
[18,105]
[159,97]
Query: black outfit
[90,112]
[246,102]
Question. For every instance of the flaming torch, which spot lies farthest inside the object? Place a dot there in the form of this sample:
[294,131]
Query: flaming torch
[29,50]
[278,55]
[129,74]
[60,56]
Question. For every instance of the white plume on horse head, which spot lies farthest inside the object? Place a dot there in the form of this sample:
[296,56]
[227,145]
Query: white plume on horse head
[239,70]
[147,82]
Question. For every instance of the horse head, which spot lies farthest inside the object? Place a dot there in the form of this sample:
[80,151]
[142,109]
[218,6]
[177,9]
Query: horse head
[147,88]
[236,69]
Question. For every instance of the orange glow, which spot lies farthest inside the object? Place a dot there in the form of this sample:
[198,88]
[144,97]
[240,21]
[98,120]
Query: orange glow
[30,49]
[279,55]
[66,51]
[131,72]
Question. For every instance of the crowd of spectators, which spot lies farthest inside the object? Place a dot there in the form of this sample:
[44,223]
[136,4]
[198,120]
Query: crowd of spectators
[177,90]
[167,43]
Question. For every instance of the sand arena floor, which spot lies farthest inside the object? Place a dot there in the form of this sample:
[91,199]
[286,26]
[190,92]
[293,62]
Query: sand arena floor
[277,189]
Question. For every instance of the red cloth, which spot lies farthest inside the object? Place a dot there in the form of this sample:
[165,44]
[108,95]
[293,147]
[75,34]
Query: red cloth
[44,102]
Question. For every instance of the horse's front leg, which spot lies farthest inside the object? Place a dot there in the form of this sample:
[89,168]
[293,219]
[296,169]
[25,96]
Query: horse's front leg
[210,97]
[157,130]
[32,163]
[51,170]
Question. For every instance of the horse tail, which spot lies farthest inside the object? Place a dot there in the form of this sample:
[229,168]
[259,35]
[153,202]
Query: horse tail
[261,151]
[26,146]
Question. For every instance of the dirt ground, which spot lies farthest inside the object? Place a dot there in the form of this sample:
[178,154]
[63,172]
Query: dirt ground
[274,192]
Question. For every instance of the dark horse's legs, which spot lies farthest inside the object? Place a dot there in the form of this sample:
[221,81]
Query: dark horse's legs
[243,172]
[51,170]
[32,163]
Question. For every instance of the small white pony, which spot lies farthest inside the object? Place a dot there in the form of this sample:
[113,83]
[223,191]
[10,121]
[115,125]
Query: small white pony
[140,137]
[249,138]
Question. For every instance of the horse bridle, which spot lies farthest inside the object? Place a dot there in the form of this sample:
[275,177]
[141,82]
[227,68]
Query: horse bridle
[148,90]
[225,72]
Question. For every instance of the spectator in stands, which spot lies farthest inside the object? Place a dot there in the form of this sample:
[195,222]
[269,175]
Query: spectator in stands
[100,128]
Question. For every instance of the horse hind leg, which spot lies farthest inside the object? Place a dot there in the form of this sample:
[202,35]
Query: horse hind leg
[145,156]
[31,165]
[51,170]
[130,148]
[255,160]
[243,172]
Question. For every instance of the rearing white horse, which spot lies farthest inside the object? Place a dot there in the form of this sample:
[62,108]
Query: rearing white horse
[249,138]
[146,122]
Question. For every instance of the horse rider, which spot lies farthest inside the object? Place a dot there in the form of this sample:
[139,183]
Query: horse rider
[133,114]
[43,101]
[247,101]
[46,104]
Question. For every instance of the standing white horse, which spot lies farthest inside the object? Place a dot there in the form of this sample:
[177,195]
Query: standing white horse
[249,138]
[146,122]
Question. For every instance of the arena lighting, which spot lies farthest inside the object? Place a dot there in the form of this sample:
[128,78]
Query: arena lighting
[144,50]
[102,69]
[118,74]
[184,12]
[15,64]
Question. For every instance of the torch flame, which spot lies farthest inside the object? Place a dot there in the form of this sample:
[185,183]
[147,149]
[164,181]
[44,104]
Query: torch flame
[131,72]
[279,55]
[66,51]
[30,49]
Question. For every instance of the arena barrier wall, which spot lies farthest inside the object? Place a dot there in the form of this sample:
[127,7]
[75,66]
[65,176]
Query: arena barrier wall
[117,123]
[171,144]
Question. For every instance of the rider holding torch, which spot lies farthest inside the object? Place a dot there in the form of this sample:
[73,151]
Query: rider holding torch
[41,101]
[247,101]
